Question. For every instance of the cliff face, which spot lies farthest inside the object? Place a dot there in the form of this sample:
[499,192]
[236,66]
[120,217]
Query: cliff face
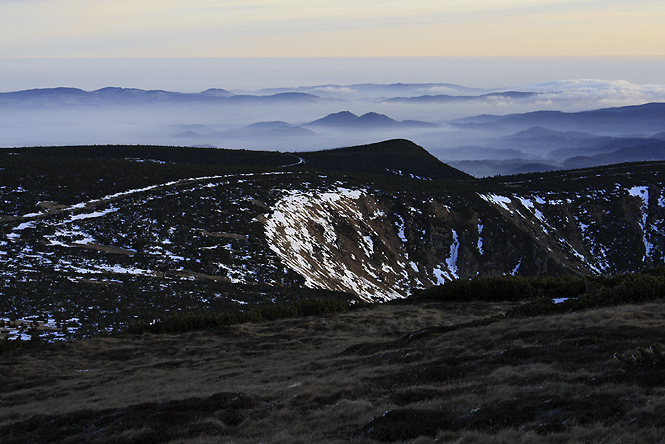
[382,247]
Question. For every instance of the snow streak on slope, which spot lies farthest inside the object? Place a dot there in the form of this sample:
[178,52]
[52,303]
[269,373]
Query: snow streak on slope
[380,247]
[346,240]
[529,213]
[643,193]
[451,261]
[593,227]
[330,241]
[479,245]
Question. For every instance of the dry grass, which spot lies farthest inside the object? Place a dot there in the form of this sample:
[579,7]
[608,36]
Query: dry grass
[388,374]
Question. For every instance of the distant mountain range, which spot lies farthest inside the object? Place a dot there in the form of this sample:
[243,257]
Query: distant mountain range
[378,91]
[540,132]
[286,118]
[399,92]
[444,98]
[259,129]
[594,152]
[133,96]
[344,120]
[647,118]
[644,152]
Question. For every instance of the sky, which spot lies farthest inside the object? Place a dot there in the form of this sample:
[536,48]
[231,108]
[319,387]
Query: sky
[330,28]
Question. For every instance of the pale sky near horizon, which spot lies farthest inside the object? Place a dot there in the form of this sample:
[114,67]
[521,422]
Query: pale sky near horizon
[330,28]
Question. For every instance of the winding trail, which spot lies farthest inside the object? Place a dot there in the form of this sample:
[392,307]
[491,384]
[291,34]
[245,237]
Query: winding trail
[300,161]
[92,204]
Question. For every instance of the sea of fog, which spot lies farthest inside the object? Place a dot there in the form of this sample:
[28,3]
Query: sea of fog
[357,85]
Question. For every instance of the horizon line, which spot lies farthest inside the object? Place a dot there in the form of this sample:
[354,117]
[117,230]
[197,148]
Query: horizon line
[626,56]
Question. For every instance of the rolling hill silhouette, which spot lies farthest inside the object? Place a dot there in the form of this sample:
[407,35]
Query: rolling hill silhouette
[397,156]
[346,119]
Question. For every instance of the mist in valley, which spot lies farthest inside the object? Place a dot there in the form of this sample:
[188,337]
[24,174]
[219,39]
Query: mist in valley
[483,131]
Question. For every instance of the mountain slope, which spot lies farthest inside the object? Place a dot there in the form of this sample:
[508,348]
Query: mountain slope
[92,237]
[385,246]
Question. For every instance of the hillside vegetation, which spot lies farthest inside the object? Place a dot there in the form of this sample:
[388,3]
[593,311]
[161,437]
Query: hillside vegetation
[456,371]
[98,238]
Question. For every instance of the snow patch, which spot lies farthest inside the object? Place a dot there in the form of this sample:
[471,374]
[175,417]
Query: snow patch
[451,261]
[400,229]
[642,192]
[369,244]
[479,245]
[303,231]
[94,214]
[516,269]
[440,276]
[497,200]
[25,226]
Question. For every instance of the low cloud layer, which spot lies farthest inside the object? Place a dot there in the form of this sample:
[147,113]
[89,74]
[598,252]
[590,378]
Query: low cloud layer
[428,114]
[572,94]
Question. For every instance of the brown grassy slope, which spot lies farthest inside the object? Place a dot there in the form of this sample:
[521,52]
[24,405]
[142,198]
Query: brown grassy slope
[372,375]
